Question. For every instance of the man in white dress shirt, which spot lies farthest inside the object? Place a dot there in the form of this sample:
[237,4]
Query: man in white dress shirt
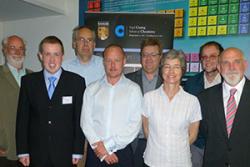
[111,113]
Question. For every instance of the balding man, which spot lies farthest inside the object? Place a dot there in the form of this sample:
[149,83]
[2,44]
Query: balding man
[13,48]
[226,113]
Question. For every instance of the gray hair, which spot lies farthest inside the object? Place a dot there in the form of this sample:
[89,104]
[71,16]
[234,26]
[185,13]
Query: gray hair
[6,39]
[175,54]
[78,28]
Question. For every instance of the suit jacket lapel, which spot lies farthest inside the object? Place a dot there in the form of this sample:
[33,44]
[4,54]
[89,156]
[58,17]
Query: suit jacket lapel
[220,110]
[59,85]
[8,75]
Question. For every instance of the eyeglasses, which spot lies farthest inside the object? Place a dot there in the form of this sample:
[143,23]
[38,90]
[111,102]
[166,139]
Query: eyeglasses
[85,40]
[206,58]
[14,49]
[150,54]
[174,68]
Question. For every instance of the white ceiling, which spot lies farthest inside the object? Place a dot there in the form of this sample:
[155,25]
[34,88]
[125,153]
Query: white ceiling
[22,9]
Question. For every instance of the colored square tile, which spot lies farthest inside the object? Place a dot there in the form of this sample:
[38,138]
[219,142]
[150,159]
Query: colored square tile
[222,19]
[212,2]
[234,1]
[233,19]
[223,1]
[193,11]
[243,28]
[222,30]
[192,31]
[192,21]
[203,2]
[202,21]
[211,20]
[244,0]
[202,11]
[212,10]
[193,3]
[223,9]
[162,11]
[187,57]
[244,7]
[178,22]
[194,57]
[233,29]
[244,18]
[179,12]
[178,32]
[211,30]
[202,31]
[234,8]
[169,11]
[194,67]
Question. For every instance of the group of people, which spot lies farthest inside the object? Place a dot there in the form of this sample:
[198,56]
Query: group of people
[145,118]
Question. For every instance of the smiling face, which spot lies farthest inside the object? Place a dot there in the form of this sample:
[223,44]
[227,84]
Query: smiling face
[232,66]
[51,57]
[14,51]
[172,71]
[150,58]
[209,58]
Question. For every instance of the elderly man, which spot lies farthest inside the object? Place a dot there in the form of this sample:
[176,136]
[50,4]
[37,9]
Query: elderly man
[226,112]
[210,76]
[13,48]
[85,63]
[148,79]
[111,114]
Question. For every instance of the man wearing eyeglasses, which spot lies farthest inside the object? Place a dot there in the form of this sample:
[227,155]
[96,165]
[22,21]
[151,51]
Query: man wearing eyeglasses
[148,79]
[85,63]
[210,76]
[13,48]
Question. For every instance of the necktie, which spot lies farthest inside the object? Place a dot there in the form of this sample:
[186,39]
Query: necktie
[231,110]
[52,86]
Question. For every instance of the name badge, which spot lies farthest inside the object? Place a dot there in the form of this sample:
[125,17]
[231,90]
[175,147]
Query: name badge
[67,100]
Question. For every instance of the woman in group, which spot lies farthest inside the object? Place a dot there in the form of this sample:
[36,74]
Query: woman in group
[171,117]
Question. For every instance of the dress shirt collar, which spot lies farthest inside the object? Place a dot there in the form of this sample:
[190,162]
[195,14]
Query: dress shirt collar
[179,93]
[14,70]
[91,61]
[121,80]
[239,86]
[47,75]
[216,81]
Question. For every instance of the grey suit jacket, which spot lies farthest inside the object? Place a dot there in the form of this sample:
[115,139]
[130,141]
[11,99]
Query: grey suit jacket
[9,90]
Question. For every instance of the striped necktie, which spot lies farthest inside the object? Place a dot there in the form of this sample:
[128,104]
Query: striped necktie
[52,86]
[231,110]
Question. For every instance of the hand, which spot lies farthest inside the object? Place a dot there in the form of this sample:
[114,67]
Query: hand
[25,160]
[111,159]
[2,152]
[100,149]
[75,161]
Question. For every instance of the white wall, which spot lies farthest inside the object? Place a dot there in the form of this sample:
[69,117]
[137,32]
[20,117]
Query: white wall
[34,30]
[1,37]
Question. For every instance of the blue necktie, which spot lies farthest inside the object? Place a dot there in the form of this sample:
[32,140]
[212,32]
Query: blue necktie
[52,86]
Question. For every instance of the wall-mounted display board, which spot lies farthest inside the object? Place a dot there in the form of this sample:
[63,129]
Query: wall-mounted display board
[218,17]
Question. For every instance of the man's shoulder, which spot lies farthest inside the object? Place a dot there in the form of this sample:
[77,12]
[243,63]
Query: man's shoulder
[133,75]
[195,78]
[72,76]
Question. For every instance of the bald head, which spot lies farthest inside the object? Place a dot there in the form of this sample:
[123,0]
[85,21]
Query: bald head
[232,65]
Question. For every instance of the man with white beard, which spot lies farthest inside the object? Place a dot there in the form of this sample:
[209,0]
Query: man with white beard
[13,48]
[226,114]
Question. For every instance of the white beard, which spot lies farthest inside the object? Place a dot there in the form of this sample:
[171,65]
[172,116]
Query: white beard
[15,62]
[232,78]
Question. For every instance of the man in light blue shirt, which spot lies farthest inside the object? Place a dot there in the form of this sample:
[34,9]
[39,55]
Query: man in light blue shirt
[85,63]
[111,113]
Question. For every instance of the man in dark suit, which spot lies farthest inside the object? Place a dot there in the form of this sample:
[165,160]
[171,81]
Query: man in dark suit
[148,79]
[13,48]
[226,113]
[48,132]
[209,55]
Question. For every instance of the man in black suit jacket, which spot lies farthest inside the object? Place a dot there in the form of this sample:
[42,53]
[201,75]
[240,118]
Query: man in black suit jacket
[209,55]
[227,141]
[48,132]
[148,79]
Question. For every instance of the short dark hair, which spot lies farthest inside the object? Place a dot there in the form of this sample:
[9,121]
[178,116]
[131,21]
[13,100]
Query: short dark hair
[211,43]
[151,42]
[113,45]
[50,40]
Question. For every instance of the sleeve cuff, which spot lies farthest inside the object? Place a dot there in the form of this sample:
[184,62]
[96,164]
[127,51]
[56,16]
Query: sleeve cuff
[110,145]
[77,156]
[23,155]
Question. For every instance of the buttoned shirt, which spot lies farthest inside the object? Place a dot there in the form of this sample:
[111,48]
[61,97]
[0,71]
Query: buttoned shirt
[168,133]
[91,71]
[112,113]
[17,74]
[237,95]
